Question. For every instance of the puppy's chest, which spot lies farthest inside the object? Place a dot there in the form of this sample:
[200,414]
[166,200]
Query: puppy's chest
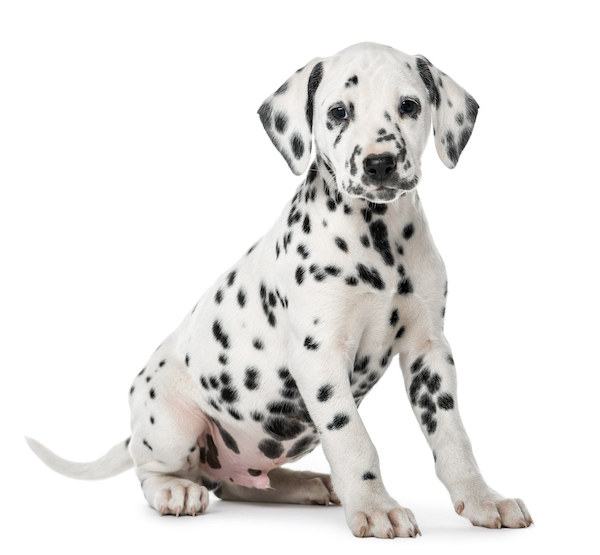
[359,245]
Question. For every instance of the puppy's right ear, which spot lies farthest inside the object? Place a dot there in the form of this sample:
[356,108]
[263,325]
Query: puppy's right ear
[287,115]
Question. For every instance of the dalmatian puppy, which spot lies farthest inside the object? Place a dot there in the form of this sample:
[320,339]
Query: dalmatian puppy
[278,354]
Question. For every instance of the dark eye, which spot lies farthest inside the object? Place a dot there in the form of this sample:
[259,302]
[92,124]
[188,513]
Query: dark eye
[408,106]
[339,112]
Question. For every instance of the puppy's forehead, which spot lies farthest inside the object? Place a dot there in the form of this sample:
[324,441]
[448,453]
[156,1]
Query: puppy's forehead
[369,66]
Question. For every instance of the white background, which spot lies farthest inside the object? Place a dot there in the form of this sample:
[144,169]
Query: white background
[134,170]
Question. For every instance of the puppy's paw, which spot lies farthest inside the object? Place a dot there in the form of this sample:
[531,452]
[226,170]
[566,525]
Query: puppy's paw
[182,498]
[494,511]
[385,522]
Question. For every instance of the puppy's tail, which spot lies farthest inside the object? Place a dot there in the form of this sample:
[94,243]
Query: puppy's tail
[117,460]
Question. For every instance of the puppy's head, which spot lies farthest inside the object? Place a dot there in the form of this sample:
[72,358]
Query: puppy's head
[369,109]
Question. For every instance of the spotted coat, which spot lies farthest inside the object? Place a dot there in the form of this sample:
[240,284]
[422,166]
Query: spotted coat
[278,354]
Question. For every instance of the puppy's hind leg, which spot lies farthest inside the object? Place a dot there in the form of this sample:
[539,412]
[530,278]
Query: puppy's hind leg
[287,486]
[166,424]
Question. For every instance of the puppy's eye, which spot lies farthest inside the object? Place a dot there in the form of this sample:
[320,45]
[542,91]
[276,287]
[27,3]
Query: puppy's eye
[408,106]
[339,112]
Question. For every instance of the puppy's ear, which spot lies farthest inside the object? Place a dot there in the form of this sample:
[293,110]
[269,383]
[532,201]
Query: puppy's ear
[453,111]
[287,115]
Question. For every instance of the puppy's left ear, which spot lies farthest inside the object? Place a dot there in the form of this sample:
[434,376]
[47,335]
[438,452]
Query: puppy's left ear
[453,111]
[287,115]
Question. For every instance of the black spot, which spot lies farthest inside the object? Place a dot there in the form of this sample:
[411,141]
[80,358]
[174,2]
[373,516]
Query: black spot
[215,405]
[214,382]
[152,394]
[451,147]
[428,420]
[147,445]
[313,83]
[445,401]
[360,365]
[302,251]
[223,358]
[231,278]
[394,318]
[386,358]
[297,145]
[365,241]
[369,476]
[425,402]
[306,224]
[293,217]
[341,244]
[281,122]
[241,298]
[299,274]
[212,453]
[225,378]
[161,363]
[331,204]
[229,395]
[204,382]
[417,365]
[270,448]
[379,209]
[332,270]
[370,276]
[352,81]
[408,231]
[352,281]
[325,392]
[379,234]
[450,359]
[301,446]
[400,332]
[367,214]
[131,390]
[282,408]
[253,472]
[310,343]
[152,420]
[252,376]
[219,335]
[258,344]
[339,421]
[425,73]
[228,440]
[127,441]
[272,299]
[187,360]
[282,428]
[257,416]
[405,287]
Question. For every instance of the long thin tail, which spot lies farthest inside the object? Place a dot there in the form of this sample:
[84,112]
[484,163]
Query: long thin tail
[117,460]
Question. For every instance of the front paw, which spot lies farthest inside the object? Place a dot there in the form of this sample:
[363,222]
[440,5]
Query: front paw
[494,511]
[383,521]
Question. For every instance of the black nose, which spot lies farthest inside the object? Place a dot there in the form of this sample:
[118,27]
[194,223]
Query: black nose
[379,166]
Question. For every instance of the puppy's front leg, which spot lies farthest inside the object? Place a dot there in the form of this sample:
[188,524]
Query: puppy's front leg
[321,373]
[430,378]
